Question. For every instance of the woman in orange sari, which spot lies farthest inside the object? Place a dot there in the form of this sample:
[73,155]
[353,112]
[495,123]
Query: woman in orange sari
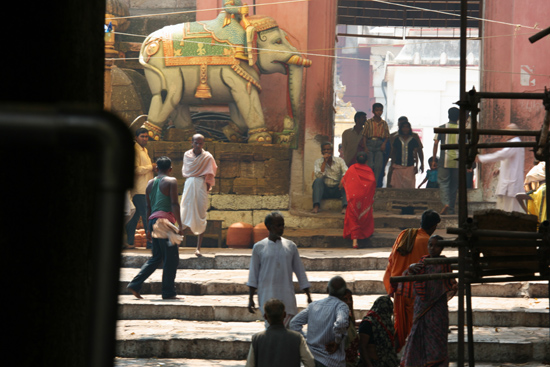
[359,183]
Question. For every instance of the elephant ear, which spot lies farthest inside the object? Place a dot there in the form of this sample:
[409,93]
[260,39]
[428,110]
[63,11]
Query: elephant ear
[251,36]
[254,25]
[252,45]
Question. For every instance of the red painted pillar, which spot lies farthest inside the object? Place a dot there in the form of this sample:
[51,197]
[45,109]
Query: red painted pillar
[208,9]
[311,28]
[512,64]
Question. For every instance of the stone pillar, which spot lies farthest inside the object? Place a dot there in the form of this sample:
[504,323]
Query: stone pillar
[318,122]
[110,54]
[310,25]
[205,9]
[512,64]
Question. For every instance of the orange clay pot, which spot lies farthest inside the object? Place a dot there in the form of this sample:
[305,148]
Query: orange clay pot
[239,235]
[260,232]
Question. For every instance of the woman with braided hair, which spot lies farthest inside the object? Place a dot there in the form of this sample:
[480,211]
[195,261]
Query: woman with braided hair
[377,343]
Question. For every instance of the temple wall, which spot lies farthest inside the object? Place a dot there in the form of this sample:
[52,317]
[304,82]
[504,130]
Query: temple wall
[243,169]
[251,179]
[311,28]
[512,64]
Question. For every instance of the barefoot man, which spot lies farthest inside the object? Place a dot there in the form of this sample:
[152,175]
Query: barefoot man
[199,169]
[163,211]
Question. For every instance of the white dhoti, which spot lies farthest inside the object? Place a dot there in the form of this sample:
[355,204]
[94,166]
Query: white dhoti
[194,204]
[508,204]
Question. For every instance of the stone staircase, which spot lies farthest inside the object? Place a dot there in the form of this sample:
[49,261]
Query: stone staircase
[212,326]
[325,228]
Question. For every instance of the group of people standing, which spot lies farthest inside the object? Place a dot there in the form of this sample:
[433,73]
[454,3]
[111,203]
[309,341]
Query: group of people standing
[354,178]
[372,136]
[416,321]
[162,210]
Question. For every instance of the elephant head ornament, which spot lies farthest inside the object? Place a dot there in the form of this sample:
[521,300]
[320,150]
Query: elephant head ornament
[220,62]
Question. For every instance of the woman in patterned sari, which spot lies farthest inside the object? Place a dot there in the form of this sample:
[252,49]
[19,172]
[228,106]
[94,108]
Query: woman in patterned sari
[352,339]
[377,335]
[427,342]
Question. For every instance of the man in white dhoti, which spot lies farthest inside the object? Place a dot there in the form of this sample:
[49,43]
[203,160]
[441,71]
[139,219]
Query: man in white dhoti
[199,169]
[510,181]
[273,261]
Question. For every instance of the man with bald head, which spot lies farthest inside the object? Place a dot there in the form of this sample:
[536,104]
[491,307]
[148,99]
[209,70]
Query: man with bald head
[510,175]
[199,169]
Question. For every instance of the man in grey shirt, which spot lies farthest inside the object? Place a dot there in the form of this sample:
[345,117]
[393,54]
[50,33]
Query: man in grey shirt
[327,325]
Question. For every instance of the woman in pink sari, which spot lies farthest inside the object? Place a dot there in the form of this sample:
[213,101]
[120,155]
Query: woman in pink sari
[359,183]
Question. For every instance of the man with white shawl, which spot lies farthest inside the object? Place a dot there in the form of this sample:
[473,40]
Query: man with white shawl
[199,169]
[273,261]
[510,181]
[535,177]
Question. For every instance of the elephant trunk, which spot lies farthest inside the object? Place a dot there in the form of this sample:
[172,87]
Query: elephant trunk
[295,73]
[300,61]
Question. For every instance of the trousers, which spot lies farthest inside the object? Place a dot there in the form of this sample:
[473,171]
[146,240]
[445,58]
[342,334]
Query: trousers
[447,178]
[141,211]
[375,157]
[322,191]
[169,255]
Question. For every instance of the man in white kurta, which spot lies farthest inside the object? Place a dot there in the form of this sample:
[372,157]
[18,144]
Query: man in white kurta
[510,181]
[199,169]
[273,261]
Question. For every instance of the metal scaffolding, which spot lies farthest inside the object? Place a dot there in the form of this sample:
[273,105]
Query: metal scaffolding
[471,267]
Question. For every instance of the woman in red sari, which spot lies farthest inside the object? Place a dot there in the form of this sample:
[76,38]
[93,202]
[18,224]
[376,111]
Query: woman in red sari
[359,183]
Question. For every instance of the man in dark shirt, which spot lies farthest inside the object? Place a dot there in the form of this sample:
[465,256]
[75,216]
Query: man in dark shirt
[277,346]
[162,208]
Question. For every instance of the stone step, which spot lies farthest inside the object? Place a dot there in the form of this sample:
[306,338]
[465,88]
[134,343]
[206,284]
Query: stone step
[488,311]
[295,218]
[333,237]
[323,238]
[336,259]
[313,258]
[390,220]
[233,282]
[183,362]
[231,340]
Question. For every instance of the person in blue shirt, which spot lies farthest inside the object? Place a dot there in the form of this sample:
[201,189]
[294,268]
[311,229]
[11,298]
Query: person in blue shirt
[431,175]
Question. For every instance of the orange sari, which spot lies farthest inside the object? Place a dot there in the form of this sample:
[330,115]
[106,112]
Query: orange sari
[398,262]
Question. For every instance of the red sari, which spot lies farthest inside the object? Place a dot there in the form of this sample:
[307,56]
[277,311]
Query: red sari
[360,184]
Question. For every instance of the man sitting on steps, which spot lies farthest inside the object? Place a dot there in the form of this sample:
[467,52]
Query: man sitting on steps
[328,171]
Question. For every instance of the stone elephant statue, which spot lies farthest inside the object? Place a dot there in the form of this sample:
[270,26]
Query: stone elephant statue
[220,62]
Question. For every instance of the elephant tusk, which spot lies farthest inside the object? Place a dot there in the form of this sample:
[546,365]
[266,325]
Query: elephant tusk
[300,61]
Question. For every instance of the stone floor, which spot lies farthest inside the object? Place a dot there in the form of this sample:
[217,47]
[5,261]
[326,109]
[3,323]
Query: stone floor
[211,326]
